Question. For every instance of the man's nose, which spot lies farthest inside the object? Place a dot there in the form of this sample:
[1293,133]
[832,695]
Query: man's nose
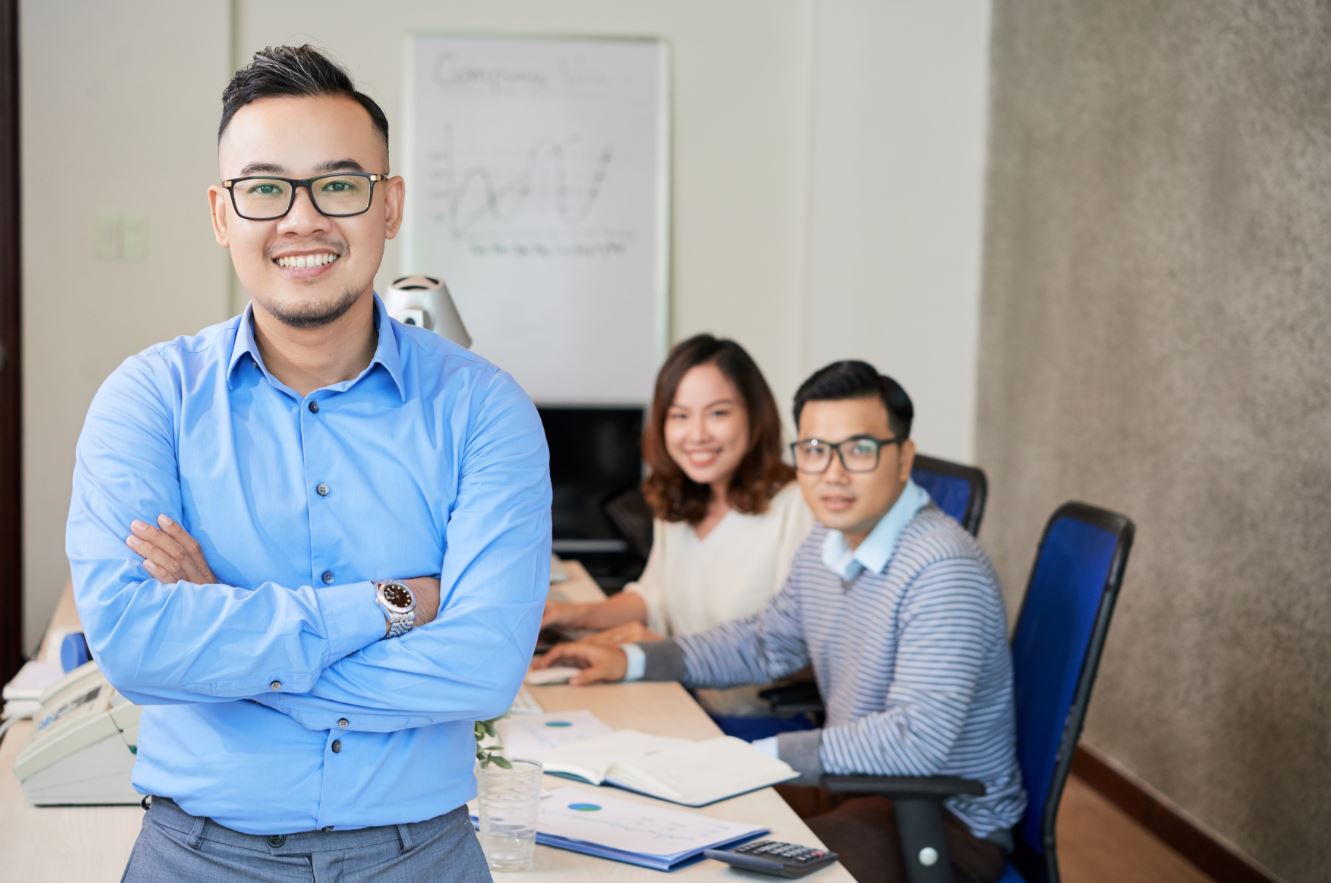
[303,215]
[836,471]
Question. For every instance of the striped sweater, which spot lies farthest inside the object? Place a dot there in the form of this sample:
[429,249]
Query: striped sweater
[913,665]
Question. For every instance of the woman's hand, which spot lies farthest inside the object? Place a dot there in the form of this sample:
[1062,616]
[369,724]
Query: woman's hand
[169,553]
[563,613]
[598,663]
[628,633]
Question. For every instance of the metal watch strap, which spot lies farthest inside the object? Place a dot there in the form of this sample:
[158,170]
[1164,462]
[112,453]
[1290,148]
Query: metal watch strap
[396,624]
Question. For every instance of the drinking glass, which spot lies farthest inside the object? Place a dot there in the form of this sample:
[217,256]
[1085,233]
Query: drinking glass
[509,800]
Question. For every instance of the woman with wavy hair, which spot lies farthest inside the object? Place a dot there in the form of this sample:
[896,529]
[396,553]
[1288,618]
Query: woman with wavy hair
[728,514]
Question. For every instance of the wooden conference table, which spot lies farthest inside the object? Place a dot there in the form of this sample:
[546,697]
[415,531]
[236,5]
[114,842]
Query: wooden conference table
[92,844]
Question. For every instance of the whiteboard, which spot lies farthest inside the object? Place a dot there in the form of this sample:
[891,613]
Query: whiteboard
[537,188]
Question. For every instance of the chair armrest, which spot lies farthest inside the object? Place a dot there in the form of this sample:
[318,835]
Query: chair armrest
[793,698]
[928,787]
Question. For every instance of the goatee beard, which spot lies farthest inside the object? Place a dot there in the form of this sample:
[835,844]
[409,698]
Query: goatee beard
[317,314]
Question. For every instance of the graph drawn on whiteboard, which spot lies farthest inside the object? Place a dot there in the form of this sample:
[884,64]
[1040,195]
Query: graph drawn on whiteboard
[536,176]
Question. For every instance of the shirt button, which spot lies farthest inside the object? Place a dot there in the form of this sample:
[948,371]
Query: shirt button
[327,577]
[337,746]
[276,840]
[323,489]
[344,723]
[314,407]
[276,685]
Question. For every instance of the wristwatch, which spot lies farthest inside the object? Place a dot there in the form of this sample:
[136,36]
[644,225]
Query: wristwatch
[399,605]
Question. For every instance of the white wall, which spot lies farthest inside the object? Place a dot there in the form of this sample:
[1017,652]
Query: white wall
[826,187]
[740,73]
[896,183]
[119,120]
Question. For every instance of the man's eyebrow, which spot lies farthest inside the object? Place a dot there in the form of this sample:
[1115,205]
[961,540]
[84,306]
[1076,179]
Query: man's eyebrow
[340,165]
[262,168]
[332,165]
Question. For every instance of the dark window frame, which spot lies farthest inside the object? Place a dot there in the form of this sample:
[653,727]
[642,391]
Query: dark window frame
[11,355]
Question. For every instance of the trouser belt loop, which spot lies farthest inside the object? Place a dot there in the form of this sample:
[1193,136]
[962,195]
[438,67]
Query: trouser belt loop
[404,834]
[195,837]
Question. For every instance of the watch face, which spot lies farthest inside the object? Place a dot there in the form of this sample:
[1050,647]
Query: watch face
[397,595]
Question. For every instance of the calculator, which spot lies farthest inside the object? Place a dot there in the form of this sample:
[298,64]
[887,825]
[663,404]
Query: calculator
[774,857]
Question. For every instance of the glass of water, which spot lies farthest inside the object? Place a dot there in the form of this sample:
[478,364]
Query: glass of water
[509,800]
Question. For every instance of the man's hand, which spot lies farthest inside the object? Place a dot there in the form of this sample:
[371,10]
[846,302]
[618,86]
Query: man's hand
[628,633]
[598,663]
[169,553]
[426,589]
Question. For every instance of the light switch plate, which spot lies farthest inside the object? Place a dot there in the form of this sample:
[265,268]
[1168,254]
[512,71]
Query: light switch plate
[134,237]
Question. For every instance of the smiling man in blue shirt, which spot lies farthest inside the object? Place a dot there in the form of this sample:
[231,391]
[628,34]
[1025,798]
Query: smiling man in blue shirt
[311,541]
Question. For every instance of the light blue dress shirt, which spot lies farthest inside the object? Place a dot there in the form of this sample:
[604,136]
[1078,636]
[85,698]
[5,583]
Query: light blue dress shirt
[273,702]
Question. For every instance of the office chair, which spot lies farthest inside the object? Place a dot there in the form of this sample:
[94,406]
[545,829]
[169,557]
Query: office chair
[1055,652]
[960,491]
[632,517]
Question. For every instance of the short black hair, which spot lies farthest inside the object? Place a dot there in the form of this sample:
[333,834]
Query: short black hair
[853,379]
[293,70]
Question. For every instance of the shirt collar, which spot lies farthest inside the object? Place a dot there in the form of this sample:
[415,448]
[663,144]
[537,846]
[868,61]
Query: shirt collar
[386,351]
[877,548]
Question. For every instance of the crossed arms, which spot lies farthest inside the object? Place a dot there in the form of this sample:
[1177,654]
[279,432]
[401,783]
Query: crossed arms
[181,636]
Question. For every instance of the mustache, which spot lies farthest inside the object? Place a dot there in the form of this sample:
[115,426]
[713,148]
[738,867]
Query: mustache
[336,246]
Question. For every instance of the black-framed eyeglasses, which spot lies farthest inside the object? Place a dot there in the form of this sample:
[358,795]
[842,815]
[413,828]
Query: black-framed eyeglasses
[859,453]
[267,198]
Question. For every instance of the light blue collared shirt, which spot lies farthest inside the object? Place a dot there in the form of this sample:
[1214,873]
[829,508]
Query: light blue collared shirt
[877,548]
[273,702]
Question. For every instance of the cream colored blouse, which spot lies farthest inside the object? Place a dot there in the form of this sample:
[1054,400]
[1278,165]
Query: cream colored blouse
[691,584]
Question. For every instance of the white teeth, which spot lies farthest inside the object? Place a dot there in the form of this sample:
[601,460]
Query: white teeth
[306,261]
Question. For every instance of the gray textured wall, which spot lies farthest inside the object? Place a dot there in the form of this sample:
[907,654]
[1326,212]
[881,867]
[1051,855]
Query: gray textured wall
[1156,338]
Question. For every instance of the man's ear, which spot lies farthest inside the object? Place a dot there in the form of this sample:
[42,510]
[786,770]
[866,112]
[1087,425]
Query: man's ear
[217,205]
[907,459]
[394,196]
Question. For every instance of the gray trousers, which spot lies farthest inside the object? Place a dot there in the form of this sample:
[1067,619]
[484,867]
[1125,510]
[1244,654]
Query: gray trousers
[176,847]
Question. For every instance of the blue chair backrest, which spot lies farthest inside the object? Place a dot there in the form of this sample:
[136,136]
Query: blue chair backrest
[960,491]
[1055,651]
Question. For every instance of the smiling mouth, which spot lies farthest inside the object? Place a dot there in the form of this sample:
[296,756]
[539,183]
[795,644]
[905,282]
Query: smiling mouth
[305,261]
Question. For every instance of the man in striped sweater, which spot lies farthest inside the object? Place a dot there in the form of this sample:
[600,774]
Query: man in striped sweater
[898,611]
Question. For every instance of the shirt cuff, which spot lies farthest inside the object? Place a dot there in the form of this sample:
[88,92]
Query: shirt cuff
[800,749]
[637,662]
[352,620]
[767,746]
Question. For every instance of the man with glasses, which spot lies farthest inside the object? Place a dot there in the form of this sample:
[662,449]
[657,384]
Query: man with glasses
[899,613]
[312,542]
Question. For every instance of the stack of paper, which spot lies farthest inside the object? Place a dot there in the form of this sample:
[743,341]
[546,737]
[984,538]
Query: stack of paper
[23,694]
[636,833]
[532,736]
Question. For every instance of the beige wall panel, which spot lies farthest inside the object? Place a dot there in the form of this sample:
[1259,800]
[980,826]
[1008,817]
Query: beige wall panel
[120,103]
[1156,338]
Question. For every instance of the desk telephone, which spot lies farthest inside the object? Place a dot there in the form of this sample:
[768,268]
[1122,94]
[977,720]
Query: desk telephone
[83,744]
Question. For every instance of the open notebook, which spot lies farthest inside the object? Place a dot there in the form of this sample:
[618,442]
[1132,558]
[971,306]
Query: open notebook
[678,770]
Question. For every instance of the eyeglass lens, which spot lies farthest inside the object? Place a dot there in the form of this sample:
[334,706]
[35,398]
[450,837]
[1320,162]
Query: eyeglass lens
[857,455]
[268,198]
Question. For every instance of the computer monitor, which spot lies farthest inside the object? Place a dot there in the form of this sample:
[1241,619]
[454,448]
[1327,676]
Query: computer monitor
[595,455]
